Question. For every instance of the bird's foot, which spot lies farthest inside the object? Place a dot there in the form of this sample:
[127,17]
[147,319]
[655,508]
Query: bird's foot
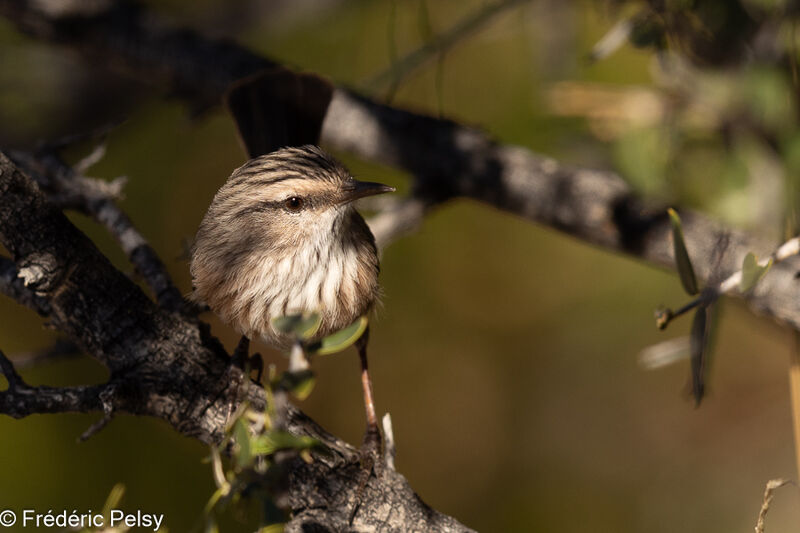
[256,362]
[371,458]
[245,362]
[239,372]
[240,354]
[371,447]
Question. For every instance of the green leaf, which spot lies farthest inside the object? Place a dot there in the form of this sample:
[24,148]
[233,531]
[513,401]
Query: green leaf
[244,456]
[211,525]
[114,497]
[682,261]
[216,497]
[301,326]
[341,339]
[271,442]
[299,383]
[303,387]
[752,272]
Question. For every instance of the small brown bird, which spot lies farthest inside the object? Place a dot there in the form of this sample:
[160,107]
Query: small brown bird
[282,237]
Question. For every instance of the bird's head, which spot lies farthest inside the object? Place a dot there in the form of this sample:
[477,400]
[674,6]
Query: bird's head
[292,197]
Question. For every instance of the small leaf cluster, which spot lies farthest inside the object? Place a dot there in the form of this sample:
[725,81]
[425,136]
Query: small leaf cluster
[249,465]
[751,273]
[252,470]
[304,328]
[299,380]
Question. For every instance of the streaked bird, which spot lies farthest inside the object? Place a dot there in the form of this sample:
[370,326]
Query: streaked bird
[282,237]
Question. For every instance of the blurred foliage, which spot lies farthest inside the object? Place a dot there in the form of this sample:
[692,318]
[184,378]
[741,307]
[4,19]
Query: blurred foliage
[505,353]
[718,128]
[254,472]
[727,87]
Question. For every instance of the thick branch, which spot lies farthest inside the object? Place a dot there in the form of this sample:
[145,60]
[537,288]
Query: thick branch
[447,159]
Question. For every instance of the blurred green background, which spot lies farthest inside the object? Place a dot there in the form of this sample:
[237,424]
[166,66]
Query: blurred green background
[506,353]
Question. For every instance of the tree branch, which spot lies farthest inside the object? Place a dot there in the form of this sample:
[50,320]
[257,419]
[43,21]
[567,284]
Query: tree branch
[447,159]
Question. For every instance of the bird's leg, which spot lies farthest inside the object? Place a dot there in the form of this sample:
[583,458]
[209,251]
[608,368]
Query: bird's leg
[245,362]
[372,438]
[240,354]
[371,446]
[237,374]
[256,362]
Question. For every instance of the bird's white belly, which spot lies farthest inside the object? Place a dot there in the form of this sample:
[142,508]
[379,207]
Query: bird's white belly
[309,282]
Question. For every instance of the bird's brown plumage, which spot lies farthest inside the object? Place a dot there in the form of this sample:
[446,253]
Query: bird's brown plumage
[258,256]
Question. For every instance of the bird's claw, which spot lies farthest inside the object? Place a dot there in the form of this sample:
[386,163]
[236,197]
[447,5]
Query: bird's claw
[371,458]
[371,451]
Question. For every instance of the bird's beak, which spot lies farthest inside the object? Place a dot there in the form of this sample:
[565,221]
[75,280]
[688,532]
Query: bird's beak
[354,189]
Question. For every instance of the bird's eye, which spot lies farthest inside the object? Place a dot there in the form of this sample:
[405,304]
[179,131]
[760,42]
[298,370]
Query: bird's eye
[294,203]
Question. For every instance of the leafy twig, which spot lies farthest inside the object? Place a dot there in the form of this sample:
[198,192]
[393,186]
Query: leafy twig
[731,284]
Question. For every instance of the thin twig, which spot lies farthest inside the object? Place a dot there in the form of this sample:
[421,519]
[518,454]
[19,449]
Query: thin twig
[769,493]
[401,69]
[66,141]
[390,449]
[94,157]
[107,397]
[20,399]
[95,428]
[10,373]
[61,349]
[68,188]
[612,40]
[794,391]
[664,353]
[786,250]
